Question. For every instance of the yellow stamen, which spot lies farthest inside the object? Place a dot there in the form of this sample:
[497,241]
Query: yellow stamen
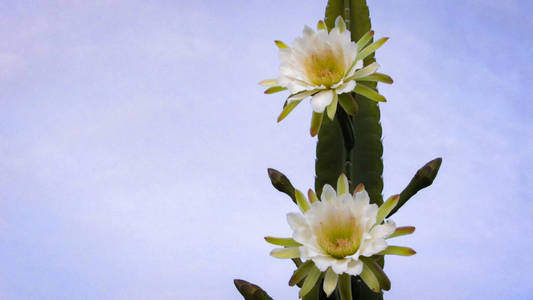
[325,67]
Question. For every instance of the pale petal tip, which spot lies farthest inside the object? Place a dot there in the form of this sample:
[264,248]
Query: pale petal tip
[359,188]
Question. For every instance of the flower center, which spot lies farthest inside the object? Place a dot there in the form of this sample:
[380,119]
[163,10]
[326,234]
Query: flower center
[325,67]
[339,236]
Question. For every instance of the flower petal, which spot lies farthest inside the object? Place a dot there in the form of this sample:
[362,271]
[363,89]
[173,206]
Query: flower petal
[321,99]
[323,262]
[330,282]
[308,31]
[340,265]
[345,87]
[355,267]
[361,195]
[328,193]
[339,24]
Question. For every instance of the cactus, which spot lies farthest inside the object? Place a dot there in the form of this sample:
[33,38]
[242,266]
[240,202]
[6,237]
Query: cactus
[349,143]
[363,149]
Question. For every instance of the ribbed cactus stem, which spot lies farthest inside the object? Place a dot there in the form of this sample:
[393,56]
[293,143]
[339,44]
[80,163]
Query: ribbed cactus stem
[347,13]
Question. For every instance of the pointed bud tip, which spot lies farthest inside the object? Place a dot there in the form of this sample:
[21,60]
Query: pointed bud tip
[436,162]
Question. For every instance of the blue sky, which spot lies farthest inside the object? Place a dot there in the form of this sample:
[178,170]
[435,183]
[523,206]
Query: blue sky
[134,142]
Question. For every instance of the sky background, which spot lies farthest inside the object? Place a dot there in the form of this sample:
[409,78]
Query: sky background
[134,143]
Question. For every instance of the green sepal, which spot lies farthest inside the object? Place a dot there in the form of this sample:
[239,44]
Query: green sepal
[287,109]
[363,41]
[370,279]
[309,281]
[369,93]
[321,25]
[349,104]
[363,72]
[300,273]
[316,122]
[302,202]
[281,45]
[287,242]
[398,250]
[275,89]
[386,208]
[371,48]
[377,77]
[312,196]
[343,185]
[405,230]
[345,287]
[374,267]
[284,253]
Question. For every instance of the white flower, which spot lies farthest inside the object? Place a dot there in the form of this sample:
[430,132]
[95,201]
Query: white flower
[336,231]
[323,65]
[340,234]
